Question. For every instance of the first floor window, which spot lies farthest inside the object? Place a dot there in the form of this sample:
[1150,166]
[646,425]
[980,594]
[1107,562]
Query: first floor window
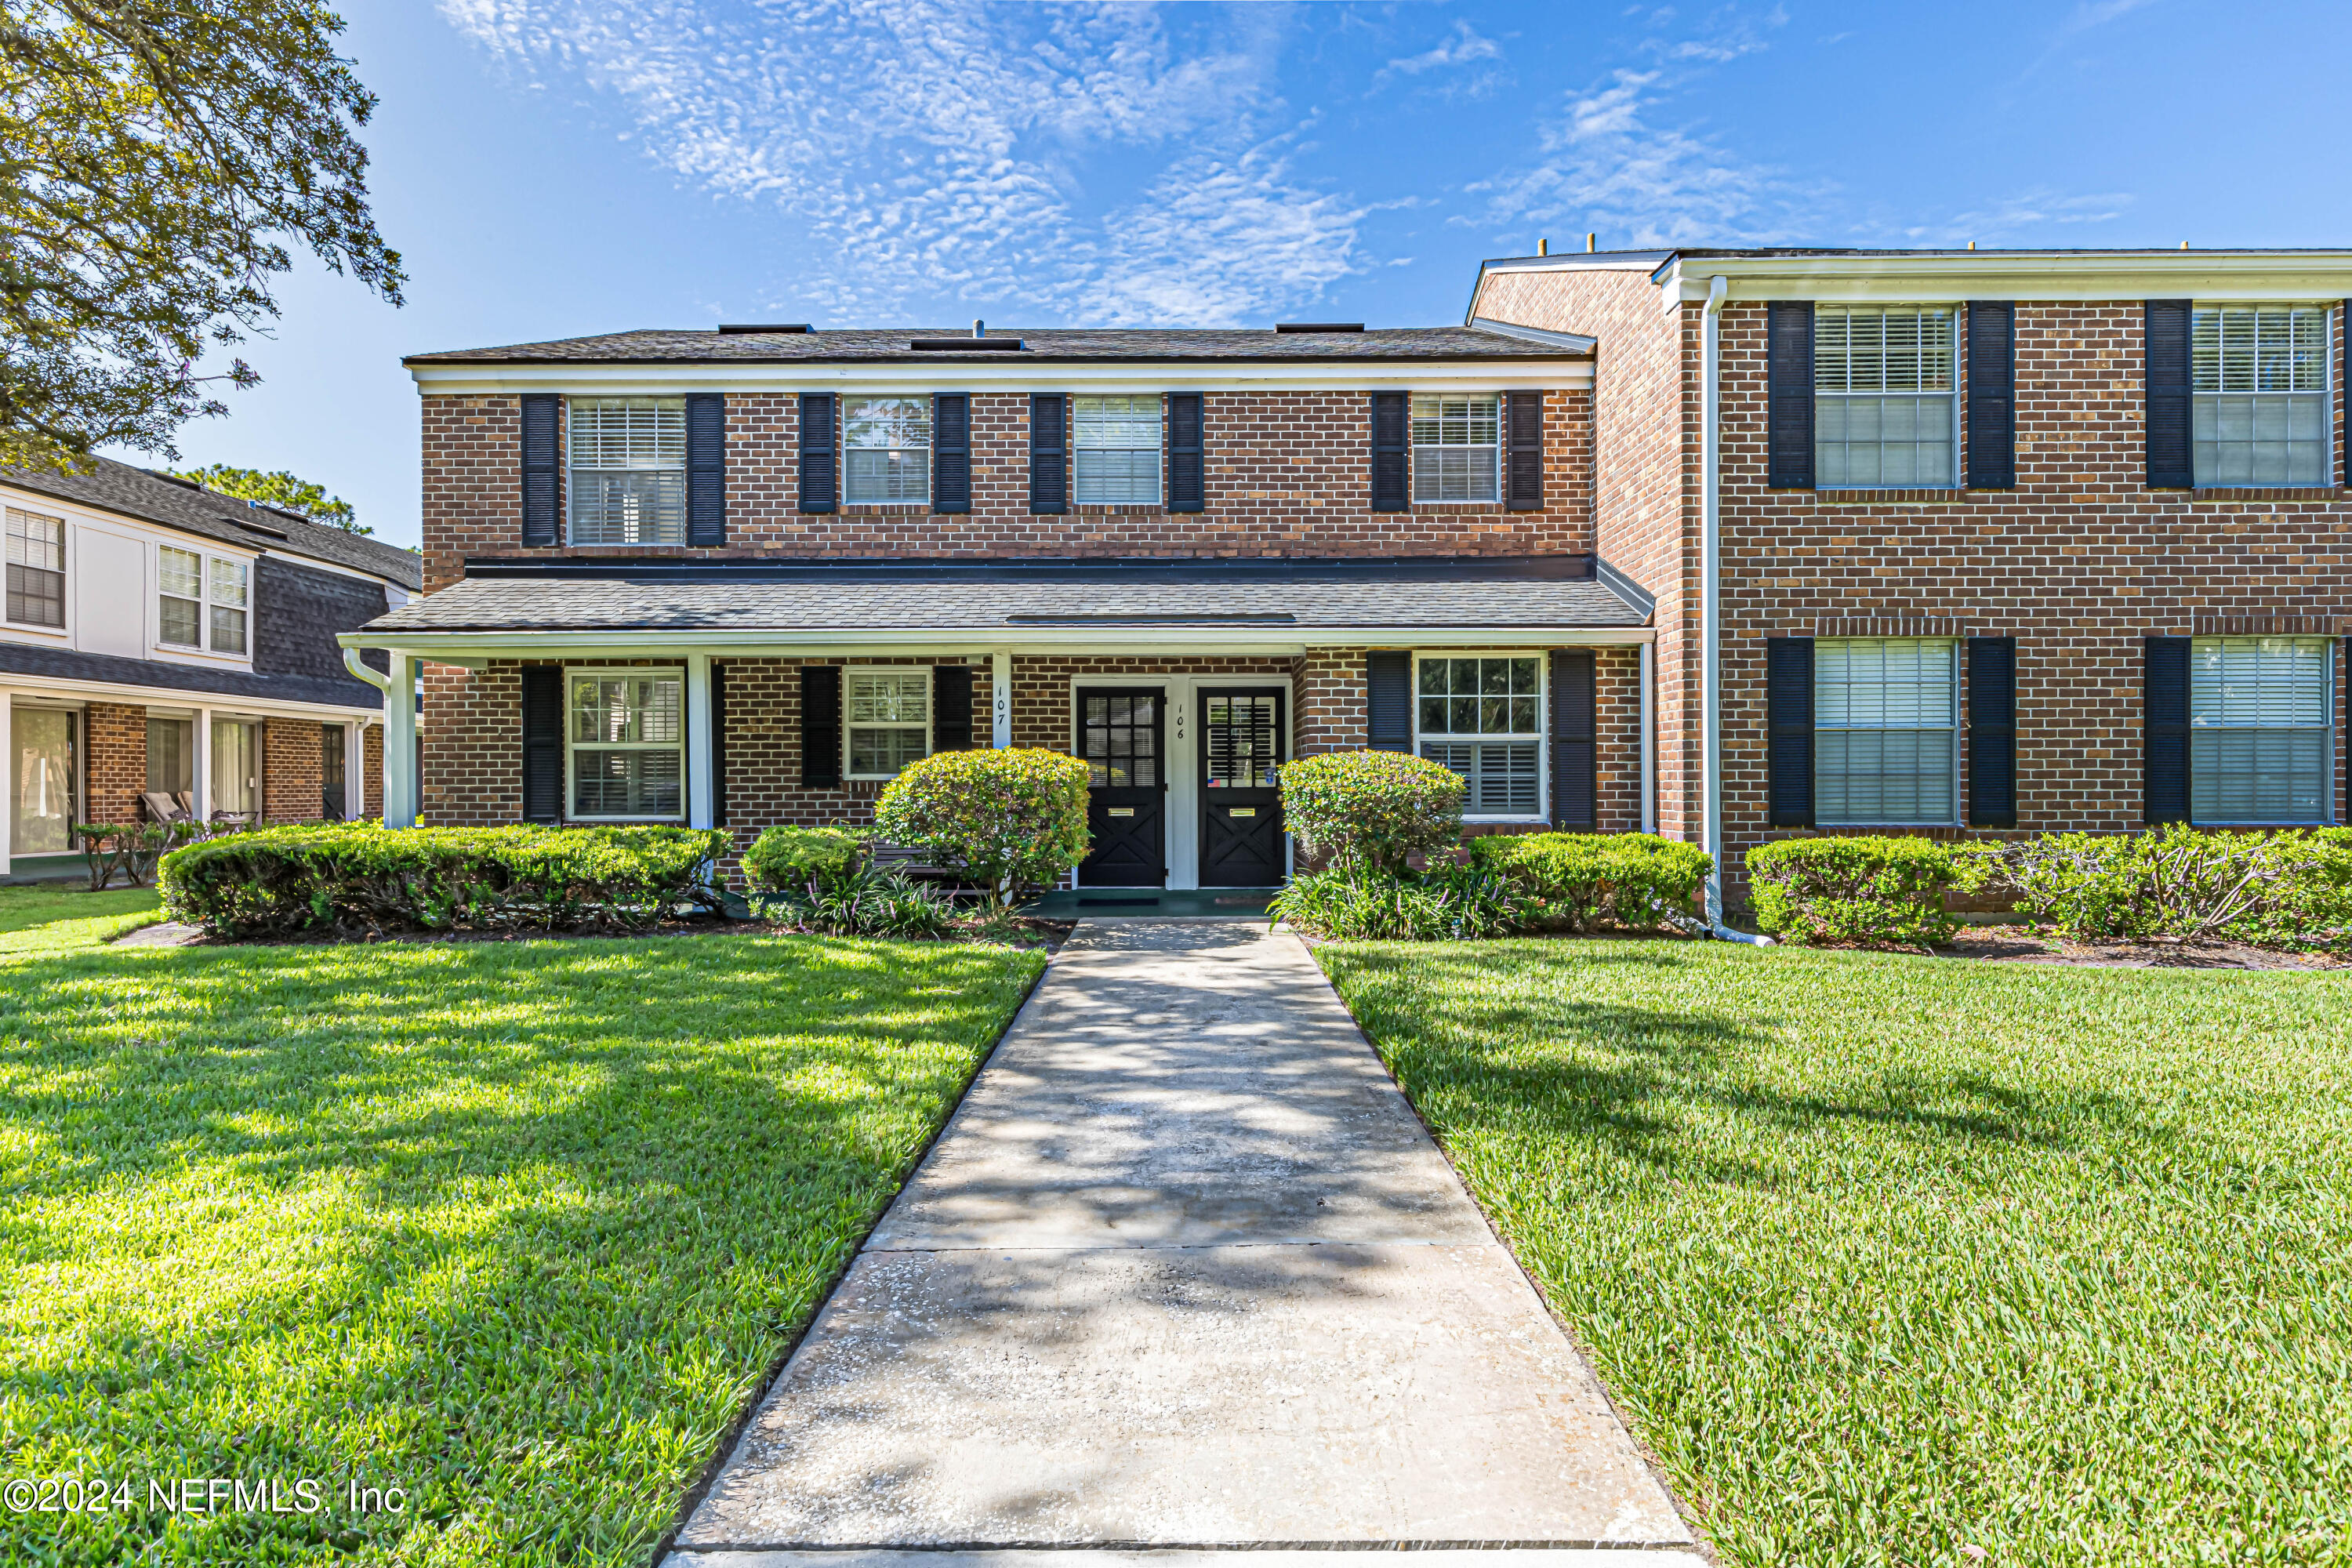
[1456,447]
[45,781]
[627,469]
[1886,730]
[889,720]
[37,569]
[228,595]
[2262,741]
[1483,718]
[182,583]
[1116,443]
[1883,405]
[887,448]
[2259,381]
[628,737]
[171,756]
[235,770]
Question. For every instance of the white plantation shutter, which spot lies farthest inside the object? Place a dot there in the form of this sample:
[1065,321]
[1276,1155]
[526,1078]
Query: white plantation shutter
[1117,449]
[2261,735]
[627,458]
[1885,714]
[2259,374]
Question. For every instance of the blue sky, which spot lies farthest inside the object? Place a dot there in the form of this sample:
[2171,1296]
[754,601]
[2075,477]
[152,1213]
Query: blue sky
[551,168]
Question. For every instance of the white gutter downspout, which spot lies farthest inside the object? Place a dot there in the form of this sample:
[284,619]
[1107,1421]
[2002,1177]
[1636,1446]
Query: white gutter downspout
[1711,614]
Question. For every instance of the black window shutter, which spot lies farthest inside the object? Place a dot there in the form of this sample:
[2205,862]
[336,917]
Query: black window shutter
[1388,701]
[542,744]
[1392,430]
[1788,694]
[1187,487]
[706,468]
[2170,464]
[1573,807]
[1788,379]
[717,744]
[952,452]
[2166,746]
[951,708]
[820,726]
[820,483]
[1993,732]
[541,457]
[1049,452]
[1523,436]
[1992,394]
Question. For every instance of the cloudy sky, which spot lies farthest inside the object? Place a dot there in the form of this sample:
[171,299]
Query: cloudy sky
[557,167]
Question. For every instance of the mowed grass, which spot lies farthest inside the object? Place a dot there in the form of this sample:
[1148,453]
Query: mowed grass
[35,919]
[515,1227]
[1904,1260]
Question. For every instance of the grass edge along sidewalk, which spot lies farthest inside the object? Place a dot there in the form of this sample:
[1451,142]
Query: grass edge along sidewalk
[1900,1260]
[516,1228]
[41,921]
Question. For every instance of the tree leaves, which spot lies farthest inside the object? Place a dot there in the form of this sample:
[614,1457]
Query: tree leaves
[280,489]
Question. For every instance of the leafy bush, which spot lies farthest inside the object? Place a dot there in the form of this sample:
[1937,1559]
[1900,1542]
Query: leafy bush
[2286,890]
[1580,881]
[862,903]
[133,848]
[358,876]
[1372,811]
[787,856]
[1012,819]
[1454,902]
[1874,892]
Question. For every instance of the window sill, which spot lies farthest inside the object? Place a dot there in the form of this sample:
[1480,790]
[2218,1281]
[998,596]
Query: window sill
[34,629]
[1859,495]
[1458,506]
[627,549]
[2263,492]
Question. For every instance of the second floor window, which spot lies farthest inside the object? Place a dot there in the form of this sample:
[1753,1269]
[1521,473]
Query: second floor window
[228,606]
[1117,448]
[1885,727]
[1456,447]
[887,448]
[37,569]
[627,469]
[191,600]
[1884,407]
[2259,377]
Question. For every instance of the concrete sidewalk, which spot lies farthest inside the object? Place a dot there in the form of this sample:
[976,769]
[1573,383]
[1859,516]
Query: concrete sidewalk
[1184,1272]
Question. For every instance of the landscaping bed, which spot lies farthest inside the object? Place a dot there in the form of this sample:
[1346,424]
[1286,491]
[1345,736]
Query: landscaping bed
[1891,1260]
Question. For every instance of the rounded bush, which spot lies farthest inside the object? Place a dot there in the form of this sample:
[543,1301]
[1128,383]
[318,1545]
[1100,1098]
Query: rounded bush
[1869,891]
[1013,819]
[1372,810]
[788,856]
[1633,881]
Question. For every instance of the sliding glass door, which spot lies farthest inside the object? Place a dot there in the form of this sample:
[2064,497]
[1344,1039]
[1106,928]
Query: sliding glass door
[236,769]
[45,783]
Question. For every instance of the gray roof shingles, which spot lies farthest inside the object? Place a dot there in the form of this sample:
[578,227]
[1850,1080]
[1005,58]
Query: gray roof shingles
[674,345]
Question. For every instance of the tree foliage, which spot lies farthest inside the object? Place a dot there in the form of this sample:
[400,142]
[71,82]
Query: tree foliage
[155,157]
[279,490]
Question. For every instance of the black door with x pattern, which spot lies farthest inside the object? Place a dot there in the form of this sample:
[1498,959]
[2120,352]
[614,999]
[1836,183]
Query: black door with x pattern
[1241,796]
[1122,734]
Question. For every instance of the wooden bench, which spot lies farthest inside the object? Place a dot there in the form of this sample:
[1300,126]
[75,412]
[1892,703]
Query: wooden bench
[917,865]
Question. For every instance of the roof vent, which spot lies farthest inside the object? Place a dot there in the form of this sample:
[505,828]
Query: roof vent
[1319,326]
[731,329]
[963,345]
[250,526]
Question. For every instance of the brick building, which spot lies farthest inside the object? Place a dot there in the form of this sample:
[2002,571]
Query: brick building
[164,647]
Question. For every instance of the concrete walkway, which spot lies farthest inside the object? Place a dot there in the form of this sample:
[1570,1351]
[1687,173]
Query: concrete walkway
[1184,1272]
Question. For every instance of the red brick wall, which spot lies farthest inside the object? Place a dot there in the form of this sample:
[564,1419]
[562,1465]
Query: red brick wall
[371,785]
[115,737]
[291,782]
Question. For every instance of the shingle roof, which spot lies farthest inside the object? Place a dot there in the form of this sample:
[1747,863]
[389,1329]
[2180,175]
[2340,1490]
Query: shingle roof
[676,345]
[134,492]
[1004,597]
[66,664]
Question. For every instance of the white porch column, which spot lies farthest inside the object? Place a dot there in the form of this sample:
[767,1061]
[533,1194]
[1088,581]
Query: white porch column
[8,763]
[200,766]
[1649,738]
[400,792]
[1000,697]
[701,805]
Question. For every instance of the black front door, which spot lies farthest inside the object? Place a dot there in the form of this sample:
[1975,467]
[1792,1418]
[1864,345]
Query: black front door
[1241,801]
[1120,735]
[330,771]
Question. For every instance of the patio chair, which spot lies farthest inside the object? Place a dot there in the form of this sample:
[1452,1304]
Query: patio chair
[162,807]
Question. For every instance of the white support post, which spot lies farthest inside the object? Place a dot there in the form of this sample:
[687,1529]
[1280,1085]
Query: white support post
[400,791]
[200,766]
[1000,697]
[701,805]
[1649,738]
[8,763]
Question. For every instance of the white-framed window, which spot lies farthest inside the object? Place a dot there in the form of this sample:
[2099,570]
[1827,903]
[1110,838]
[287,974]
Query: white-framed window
[2262,730]
[628,463]
[1483,716]
[1116,449]
[1886,415]
[37,569]
[888,715]
[197,595]
[226,583]
[180,576]
[887,449]
[2258,378]
[1457,446]
[1886,730]
[626,738]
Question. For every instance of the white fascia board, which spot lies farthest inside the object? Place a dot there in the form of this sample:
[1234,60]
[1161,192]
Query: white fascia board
[884,377]
[978,641]
[227,704]
[1964,275]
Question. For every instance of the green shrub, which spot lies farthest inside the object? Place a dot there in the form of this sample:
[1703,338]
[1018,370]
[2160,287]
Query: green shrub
[862,903]
[358,876]
[787,856]
[133,848]
[1871,891]
[1371,811]
[1452,903]
[1012,820]
[2285,890]
[1584,881]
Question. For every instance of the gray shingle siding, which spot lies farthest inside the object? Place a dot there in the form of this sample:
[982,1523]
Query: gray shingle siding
[298,609]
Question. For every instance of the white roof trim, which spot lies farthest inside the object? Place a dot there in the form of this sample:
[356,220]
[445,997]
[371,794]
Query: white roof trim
[1993,275]
[1572,343]
[226,704]
[480,378]
[993,637]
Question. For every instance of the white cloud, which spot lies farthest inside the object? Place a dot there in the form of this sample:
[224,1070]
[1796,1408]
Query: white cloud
[2025,211]
[1463,46]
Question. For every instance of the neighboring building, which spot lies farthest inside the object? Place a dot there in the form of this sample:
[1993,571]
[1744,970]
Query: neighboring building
[161,639]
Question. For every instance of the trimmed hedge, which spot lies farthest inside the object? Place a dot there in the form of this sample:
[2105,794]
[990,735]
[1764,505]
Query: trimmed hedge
[1580,881]
[1372,811]
[1013,819]
[802,858]
[353,877]
[1869,891]
[2289,889]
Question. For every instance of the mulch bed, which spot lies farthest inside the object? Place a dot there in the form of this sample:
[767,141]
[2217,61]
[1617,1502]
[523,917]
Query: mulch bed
[2021,944]
[1024,930]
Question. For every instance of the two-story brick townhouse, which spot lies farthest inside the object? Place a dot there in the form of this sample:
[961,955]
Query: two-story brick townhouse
[163,641]
[743,576]
[1973,541]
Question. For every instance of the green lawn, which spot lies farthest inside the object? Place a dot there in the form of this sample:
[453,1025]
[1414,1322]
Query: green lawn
[37,919]
[516,1228]
[1889,1258]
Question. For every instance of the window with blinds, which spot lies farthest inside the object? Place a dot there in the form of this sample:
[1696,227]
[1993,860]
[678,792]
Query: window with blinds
[1886,730]
[627,739]
[1884,409]
[1456,447]
[2261,740]
[627,469]
[37,569]
[2258,376]
[887,449]
[1483,718]
[889,720]
[1116,450]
